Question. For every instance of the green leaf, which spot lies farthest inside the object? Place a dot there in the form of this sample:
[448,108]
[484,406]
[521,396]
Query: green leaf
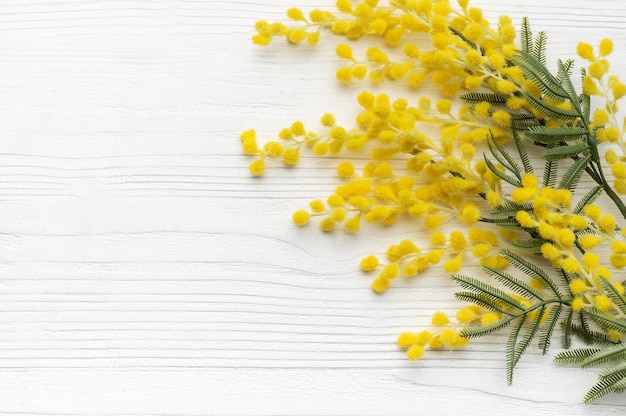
[617,299]
[570,178]
[531,269]
[566,81]
[510,349]
[509,179]
[539,51]
[504,157]
[539,74]
[478,97]
[477,331]
[486,301]
[605,386]
[510,208]
[587,199]
[607,321]
[521,150]
[547,329]
[575,356]
[531,245]
[550,110]
[526,35]
[478,286]
[550,171]
[518,286]
[564,152]
[544,134]
[606,355]
[566,326]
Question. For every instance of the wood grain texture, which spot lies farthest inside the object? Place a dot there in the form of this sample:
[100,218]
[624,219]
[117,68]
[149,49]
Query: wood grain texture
[144,272]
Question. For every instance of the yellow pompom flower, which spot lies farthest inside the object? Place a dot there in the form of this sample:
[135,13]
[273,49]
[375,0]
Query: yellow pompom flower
[344,74]
[369,263]
[454,265]
[296,35]
[257,167]
[344,51]
[606,47]
[577,304]
[588,242]
[607,223]
[577,286]
[415,352]
[470,214]
[379,285]
[301,217]
[489,318]
[457,241]
[602,303]
[585,51]
[501,118]
[440,319]
[327,224]
[353,224]
[406,339]
[593,212]
[466,315]
[390,271]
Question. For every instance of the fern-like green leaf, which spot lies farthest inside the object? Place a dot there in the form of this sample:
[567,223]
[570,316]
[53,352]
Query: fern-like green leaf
[526,35]
[510,208]
[570,178]
[507,178]
[531,269]
[478,331]
[606,355]
[566,81]
[550,110]
[531,245]
[617,369]
[539,74]
[591,337]
[550,171]
[566,330]
[564,152]
[529,335]
[496,100]
[617,299]
[605,386]
[518,286]
[544,134]
[505,159]
[607,321]
[575,356]
[545,338]
[486,301]
[585,100]
[510,349]
[521,151]
[480,287]
[539,50]
[587,199]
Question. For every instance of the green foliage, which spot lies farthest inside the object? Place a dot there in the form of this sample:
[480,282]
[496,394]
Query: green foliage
[532,311]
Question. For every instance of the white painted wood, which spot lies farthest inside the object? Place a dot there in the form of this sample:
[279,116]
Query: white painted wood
[143,271]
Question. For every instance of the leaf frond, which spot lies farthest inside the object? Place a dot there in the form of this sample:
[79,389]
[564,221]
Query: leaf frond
[606,355]
[587,199]
[570,178]
[544,134]
[531,269]
[564,152]
[575,356]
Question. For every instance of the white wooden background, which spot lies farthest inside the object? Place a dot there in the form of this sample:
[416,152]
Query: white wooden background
[144,272]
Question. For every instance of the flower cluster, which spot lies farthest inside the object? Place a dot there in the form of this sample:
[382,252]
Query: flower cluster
[464,159]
